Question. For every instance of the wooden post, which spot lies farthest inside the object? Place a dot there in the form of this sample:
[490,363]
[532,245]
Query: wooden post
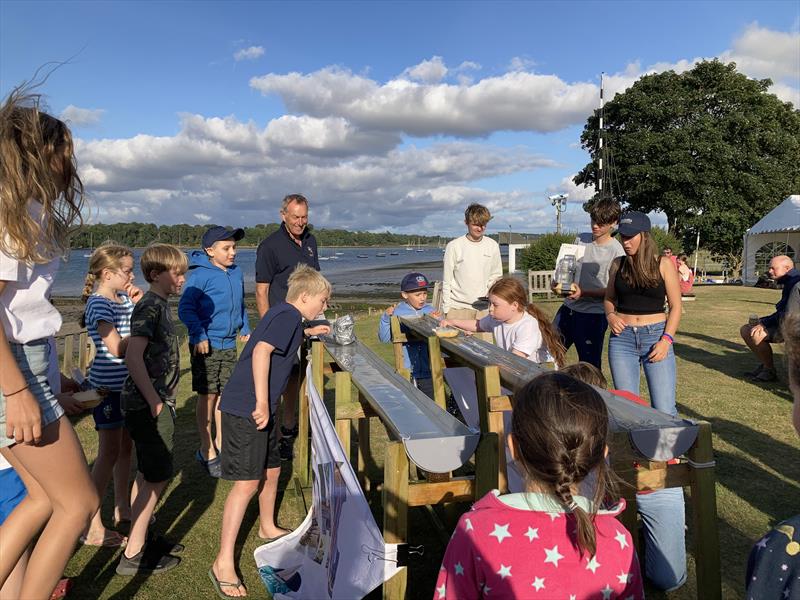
[83,355]
[343,396]
[364,452]
[395,512]
[622,461]
[303,426]
[398,339]
[704,513]
[68,359]
[486,467]
[437,371]
[488,385]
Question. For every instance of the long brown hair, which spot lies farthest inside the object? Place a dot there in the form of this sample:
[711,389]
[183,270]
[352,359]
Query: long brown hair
[37,163]
[511,290]
[642,269]
[560,428]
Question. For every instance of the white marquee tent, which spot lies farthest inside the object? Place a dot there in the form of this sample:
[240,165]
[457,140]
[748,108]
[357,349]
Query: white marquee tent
[777,233]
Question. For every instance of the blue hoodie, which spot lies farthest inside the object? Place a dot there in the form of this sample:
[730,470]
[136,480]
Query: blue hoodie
[415,352]
[212,304]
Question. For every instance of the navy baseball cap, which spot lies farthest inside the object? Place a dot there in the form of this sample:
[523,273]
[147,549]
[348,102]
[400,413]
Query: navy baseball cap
[633,222]
[219,233]
[413,281]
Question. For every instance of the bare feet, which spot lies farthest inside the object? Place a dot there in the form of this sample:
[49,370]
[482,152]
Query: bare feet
[108,538]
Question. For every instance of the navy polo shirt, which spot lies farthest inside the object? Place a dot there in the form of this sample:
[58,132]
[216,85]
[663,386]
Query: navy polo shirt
[282,328]
[278,255]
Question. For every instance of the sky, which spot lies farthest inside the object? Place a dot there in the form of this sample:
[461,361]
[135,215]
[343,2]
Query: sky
[387,116]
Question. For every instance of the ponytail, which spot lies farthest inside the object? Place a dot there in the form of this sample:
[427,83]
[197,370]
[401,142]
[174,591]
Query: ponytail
[551,337]
[88,288]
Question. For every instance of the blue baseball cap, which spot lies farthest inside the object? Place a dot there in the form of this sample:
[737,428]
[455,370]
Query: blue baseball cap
[633,222]
[219,233]
[413,281]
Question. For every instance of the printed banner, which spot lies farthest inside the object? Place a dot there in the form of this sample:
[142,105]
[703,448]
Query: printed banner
[338,551]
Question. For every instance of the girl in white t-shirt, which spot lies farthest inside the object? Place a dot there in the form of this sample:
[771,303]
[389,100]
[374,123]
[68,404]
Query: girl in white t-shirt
[518,326]
[40,200]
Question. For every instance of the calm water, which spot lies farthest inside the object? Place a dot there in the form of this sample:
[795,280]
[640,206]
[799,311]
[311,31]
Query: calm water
[349,274]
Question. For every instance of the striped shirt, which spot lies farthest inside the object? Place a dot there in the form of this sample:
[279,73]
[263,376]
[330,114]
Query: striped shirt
[108,370]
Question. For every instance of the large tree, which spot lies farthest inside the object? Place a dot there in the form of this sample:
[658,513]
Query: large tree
[710,148]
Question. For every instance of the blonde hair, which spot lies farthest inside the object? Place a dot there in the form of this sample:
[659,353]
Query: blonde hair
[37,163]
[511,290]
[160,258]
[306,280]
[477,213]
[106,256]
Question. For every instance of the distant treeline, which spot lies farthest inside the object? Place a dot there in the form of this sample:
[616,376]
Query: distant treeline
[137,235]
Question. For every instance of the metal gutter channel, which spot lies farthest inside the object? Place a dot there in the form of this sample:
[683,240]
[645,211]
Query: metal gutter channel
[434,440]
[656,435]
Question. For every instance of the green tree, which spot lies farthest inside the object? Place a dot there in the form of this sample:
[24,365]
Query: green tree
[710,148]
[541,255]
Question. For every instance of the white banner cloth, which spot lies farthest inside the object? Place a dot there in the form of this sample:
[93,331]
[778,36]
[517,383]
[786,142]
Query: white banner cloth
[338,551]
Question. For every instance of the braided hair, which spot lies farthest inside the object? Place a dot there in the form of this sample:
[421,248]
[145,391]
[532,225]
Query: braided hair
[559,427]
[107,256]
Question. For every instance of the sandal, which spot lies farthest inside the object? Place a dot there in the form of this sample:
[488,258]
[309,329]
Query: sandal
[272,539]
[62,589]
[218,585]
[112,539]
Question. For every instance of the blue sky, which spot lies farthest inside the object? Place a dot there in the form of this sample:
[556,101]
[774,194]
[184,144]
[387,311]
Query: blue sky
[387,115]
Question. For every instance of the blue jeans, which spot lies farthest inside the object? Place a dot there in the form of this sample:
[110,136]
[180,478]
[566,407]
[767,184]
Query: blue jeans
[585,330]
[663,524]
[628,350]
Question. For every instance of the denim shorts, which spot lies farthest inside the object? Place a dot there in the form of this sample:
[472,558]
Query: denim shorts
[33,360]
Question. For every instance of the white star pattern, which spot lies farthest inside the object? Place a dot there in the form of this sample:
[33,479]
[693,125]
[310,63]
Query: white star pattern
[538,583]
[532,534]
[504,571]
[593,565]
[500,532]
[784,567]
[441,589]
[554,515]
[459,569]
[606,591]
[624,577]
[620,537]
[486,589]
[762,543]
[469,525]
[553,556]
[573,597]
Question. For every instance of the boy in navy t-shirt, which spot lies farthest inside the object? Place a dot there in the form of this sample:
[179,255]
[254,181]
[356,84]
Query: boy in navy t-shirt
[249,401]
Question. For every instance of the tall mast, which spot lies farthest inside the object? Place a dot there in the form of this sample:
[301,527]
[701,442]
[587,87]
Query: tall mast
[603,191]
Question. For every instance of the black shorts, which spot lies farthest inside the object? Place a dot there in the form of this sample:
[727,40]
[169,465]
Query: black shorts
[247,451]
[774,335]
[154,439]
[210,372]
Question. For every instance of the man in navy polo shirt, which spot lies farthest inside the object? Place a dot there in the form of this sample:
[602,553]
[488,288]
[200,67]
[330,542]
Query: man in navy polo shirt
[276,258]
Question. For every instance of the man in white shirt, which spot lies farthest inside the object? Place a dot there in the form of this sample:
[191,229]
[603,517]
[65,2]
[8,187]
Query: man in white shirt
[471,265]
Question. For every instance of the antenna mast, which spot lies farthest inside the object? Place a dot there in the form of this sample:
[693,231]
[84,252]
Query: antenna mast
[603,191]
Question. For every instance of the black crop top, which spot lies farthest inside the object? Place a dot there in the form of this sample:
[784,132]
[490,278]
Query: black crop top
[639,301]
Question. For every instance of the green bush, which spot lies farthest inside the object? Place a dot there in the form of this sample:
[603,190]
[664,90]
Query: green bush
[664,238]
[541,255]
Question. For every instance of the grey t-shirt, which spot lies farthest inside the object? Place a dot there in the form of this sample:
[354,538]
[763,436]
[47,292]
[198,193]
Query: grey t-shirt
[594,275]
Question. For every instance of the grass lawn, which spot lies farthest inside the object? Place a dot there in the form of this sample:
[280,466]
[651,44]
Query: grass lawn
[758,465]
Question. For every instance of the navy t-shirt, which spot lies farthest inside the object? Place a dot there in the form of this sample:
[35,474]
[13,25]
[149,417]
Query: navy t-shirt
[282,328]
[277,257]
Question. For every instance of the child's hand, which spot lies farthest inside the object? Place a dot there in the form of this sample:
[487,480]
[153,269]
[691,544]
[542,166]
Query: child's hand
[390,311]
[156,409]
[437,314]
[445,323]
[318,330]
[134,293]
[616,323]
[244,338]
[69,404]
[261,415]
[201,347]
[576,293]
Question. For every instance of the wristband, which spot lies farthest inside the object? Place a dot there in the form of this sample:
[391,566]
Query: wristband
[17,392]
[668,337]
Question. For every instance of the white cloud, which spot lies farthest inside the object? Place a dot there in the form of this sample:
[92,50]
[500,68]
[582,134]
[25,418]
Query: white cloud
[521,63]
[251,53]
[428,71]
[202,217]
[82,117]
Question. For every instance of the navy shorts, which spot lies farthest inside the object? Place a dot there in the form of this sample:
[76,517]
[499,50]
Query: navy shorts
[246,450]
[108,414]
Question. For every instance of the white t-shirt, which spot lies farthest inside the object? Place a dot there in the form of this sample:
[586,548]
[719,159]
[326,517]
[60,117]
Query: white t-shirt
[523,336]
[470,268]
[25,311]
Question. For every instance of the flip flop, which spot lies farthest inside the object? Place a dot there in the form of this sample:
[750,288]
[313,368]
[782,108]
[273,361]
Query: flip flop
[277,537]
[218,585]
[127,522]
[62,589]
[112,539]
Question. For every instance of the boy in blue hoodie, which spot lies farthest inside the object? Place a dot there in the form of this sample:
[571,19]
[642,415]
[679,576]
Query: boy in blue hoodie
[414,290]
[212,308]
